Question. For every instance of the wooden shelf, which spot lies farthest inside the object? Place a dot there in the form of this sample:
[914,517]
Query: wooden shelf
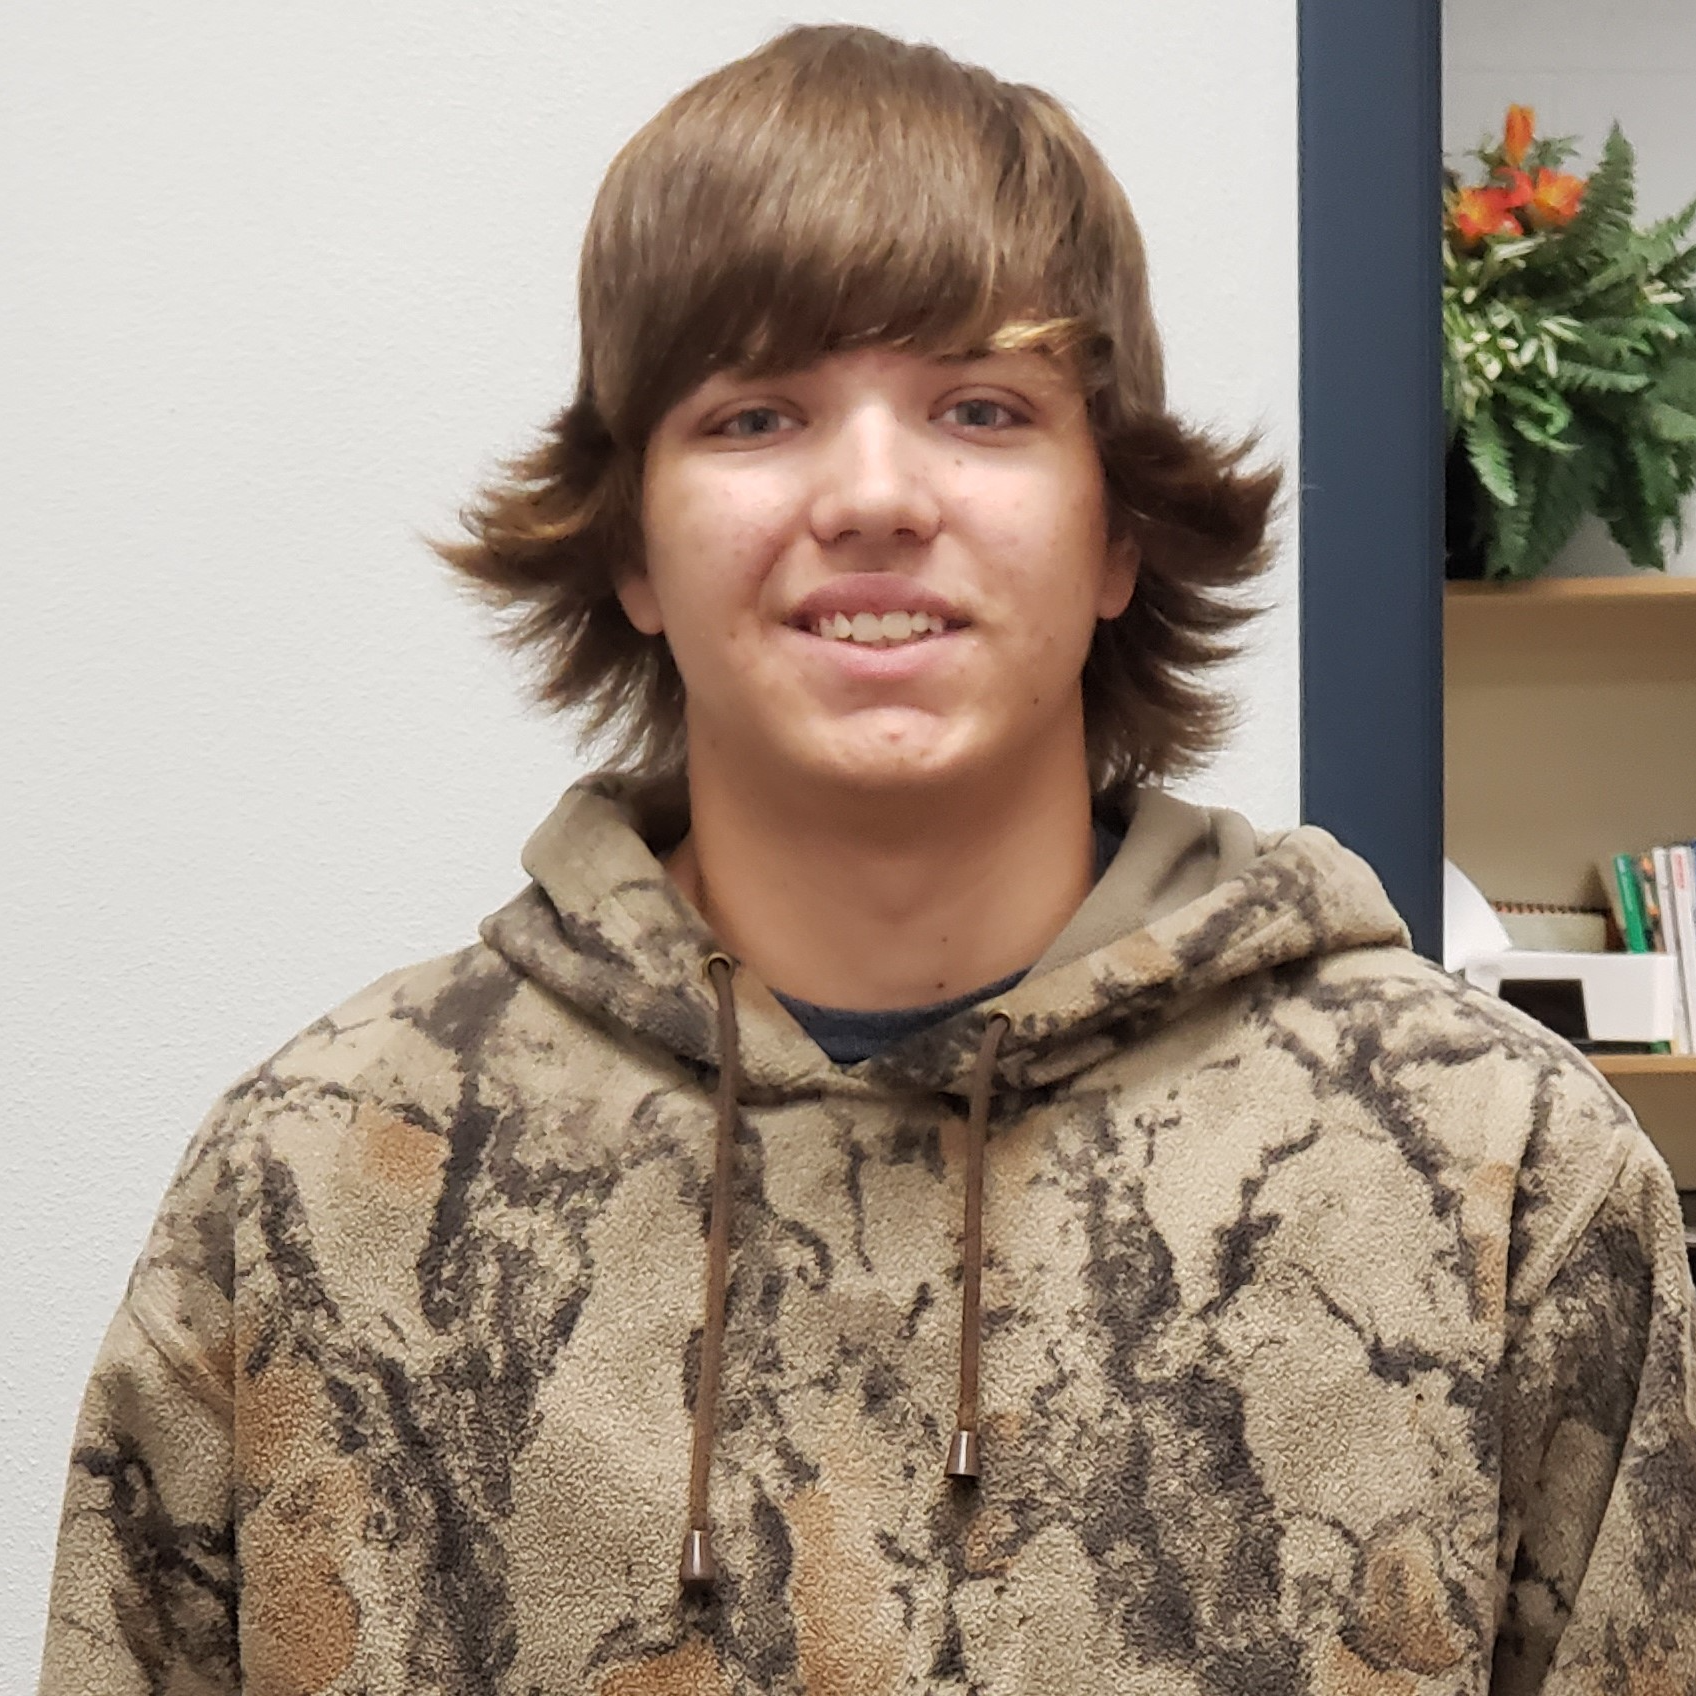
[1569,734]
[1644,1065]
[1569,728]
[1575,628]
[1651,586]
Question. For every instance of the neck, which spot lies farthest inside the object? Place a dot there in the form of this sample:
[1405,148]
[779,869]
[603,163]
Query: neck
[882,901]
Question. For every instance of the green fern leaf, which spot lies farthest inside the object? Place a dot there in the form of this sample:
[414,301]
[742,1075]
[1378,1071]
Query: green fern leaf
[1628,506]
[1663,245]
[1487,449]
[1510,529]
[1578,378]
[1676,384]
[1656,482]
[1671,423]
[1640,540]
[1610,200]
[1564,497]
[1543,401]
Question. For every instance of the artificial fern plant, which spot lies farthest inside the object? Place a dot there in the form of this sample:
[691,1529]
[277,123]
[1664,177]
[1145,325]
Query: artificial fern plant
[1569,373]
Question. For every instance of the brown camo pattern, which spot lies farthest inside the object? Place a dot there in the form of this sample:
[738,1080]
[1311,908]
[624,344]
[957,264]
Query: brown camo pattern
[1338,1336]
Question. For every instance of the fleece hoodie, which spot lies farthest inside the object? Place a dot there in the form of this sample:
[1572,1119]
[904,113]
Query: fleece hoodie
[1335,1325]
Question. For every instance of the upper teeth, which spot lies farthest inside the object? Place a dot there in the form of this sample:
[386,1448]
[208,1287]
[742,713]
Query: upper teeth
[871,628]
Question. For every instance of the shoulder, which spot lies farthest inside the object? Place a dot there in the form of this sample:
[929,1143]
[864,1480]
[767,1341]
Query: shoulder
[402,1037]
[360,1125]
[412,1047]
[420,1020]
[1478,1086]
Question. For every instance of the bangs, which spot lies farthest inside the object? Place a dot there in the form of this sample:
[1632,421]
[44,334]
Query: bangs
[765,222]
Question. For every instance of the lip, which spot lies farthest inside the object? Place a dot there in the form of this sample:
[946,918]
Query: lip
[875,592]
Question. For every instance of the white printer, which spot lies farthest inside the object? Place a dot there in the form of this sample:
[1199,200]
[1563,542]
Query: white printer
[1599,998]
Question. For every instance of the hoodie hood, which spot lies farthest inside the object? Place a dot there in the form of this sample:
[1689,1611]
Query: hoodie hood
[1194,901]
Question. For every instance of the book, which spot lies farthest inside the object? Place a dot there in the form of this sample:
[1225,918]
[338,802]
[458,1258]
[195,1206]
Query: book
[1681,872]
[1641,869]
[1628,904]
[1668,931]
[1648,894]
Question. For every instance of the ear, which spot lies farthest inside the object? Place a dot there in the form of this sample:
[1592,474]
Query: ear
[641,605]
[1118,577]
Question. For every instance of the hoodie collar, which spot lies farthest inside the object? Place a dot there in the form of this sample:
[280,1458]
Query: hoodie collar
[1194,900]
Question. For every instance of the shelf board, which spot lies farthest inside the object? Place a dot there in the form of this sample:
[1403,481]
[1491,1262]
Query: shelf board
[1568,628]
[1554,591]
[1644,1065]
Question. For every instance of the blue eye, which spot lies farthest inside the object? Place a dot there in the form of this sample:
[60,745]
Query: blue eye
[980,407]
[759,421]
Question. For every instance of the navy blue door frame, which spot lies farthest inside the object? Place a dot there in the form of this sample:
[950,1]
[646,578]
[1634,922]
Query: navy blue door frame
[1372,441]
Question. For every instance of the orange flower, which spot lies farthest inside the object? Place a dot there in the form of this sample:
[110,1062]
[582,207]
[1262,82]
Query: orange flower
[1555,199]
[1512,189]
[1480,212]
[1517,133]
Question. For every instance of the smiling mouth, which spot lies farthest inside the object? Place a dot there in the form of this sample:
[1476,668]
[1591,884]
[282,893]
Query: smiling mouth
[880,630]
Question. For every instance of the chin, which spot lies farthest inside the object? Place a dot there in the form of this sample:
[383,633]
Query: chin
[882,765]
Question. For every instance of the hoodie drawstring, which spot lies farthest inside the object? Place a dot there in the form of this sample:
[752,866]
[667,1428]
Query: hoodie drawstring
[698,1569]
[963,1450]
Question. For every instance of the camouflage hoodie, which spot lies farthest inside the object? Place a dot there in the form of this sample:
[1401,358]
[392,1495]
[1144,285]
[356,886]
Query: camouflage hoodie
[1336,1328]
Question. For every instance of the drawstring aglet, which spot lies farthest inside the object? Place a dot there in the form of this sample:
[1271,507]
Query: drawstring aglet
[697,1570]
[963,1456]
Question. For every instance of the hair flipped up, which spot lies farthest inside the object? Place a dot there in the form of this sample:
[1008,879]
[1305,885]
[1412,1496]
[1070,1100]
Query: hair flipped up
[839,189]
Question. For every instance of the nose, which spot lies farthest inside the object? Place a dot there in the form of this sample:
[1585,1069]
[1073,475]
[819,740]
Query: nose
[875,482]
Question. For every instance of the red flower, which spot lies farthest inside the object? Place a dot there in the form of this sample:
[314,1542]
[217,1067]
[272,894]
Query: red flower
[1512,188]
[1554,199]
[1479,212]
[1517,133]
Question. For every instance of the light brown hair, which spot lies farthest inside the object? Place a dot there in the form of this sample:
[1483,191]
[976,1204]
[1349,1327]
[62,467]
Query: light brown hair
[837,189]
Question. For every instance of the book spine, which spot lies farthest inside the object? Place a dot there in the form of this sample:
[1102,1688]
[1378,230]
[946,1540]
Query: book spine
[1649,895]
[1669,945]
[1631,905]
[1681,865]
[1649,904]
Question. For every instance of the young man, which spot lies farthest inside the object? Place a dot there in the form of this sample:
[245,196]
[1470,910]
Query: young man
[1009,1229]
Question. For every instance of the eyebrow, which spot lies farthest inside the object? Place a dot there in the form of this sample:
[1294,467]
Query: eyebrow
[1049,368]
[976,356]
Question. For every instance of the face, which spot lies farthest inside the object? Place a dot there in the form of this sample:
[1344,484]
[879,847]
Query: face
[881,571]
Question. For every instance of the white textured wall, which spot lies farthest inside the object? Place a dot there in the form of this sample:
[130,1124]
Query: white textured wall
[280,281]
[1582,65]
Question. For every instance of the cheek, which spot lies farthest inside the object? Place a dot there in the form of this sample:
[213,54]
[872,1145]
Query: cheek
[1101,582]
[1059,550]
[704,565]
[713,552]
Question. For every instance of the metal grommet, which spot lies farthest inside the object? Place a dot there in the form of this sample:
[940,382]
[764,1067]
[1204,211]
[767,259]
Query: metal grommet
[717,958]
